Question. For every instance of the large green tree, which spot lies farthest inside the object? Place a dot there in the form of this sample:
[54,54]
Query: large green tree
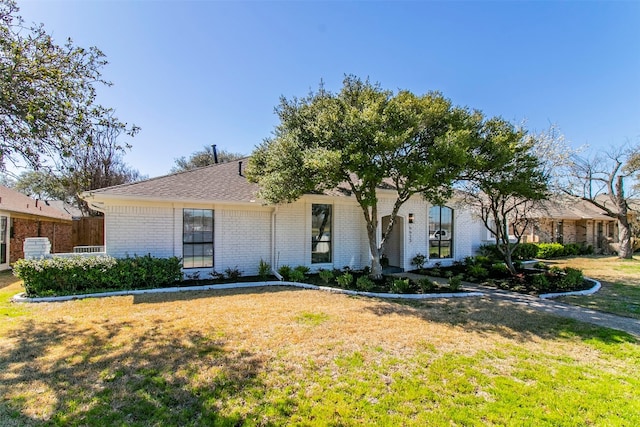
[366,137]
[505,179]
[207,156]
[48,102]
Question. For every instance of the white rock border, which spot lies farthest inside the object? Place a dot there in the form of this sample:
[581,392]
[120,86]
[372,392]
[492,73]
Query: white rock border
[595,288]
[21,298]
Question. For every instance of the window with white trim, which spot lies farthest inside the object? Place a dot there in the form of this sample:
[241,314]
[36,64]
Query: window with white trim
[440,232]
[321,218]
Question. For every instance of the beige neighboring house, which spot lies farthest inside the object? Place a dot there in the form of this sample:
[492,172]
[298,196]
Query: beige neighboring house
[571,220]
[22,217]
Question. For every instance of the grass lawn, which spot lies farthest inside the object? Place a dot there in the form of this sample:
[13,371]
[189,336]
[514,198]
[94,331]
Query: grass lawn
[283,356]
[620,292]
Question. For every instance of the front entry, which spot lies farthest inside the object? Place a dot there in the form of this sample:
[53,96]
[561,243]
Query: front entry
[394,247]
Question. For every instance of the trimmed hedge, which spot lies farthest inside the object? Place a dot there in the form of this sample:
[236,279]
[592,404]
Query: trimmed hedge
[77,275]
[527,251]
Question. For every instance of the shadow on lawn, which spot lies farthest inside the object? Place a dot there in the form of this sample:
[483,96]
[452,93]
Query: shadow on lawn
[162,297]
[121,374]
[512,321]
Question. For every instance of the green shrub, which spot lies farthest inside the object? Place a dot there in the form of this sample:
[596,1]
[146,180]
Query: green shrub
[326,276]
[68,276]
[550,250]
[427,285]
[572,279]
[400,286]
[500,268]
[233,273]
[296,275]
[525,251]
[540,282]
[264,269]
[455,283]
[302,269]
[285,272]
[345,280]
[419,260]
[364,284]
[477,271]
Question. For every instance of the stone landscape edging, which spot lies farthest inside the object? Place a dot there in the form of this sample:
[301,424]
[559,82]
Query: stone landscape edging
[595,288]
[21,298]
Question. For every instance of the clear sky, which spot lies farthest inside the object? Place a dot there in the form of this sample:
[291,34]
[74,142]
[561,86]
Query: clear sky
[192,73]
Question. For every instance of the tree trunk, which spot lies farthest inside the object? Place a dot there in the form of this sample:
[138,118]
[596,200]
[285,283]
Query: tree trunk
[624,238]
[376,266]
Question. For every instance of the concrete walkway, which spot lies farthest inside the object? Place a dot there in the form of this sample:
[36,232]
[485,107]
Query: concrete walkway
[626,324]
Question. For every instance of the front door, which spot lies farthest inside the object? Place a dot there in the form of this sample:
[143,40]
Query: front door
[393,248]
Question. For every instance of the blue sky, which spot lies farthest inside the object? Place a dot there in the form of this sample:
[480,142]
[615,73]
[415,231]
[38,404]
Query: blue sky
[192,74]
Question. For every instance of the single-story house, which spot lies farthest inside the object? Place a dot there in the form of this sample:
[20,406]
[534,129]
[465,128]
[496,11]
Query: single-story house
[22,217]
[212,219]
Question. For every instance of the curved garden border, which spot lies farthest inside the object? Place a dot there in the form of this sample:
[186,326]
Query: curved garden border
[21,298]
[595,288]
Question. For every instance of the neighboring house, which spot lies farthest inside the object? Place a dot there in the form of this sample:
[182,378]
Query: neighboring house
[22,217]
[567,220]
[211,218]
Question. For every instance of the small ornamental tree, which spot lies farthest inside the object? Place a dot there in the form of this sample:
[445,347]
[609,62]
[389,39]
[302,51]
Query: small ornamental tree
[366,137]
[505,180]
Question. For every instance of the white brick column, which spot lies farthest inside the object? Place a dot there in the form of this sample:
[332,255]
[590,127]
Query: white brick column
[36,248]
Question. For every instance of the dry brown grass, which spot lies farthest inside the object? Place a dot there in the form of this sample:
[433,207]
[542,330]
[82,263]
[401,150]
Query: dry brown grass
[60,349]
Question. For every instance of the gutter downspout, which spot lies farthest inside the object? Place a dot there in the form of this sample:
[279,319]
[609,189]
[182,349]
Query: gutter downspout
[274,268]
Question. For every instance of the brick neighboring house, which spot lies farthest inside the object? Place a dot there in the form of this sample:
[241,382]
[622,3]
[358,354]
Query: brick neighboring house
[572,220]
[22,217]
[211,218]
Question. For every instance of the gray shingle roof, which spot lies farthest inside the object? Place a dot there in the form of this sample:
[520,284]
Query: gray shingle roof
[220,182]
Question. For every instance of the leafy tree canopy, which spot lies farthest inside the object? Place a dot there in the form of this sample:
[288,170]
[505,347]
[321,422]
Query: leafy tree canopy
[203,158]
[47,93]
[368,138]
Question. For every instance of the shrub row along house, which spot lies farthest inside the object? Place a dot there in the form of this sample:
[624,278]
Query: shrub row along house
[211,218]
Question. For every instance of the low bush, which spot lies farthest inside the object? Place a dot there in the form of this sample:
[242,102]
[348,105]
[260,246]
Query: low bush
[401,286]
[296,275]
[285,272]
[550,250]
[419,260]
[427,285]
[455,283]
[572,279]
[363,283]
[75,275]
[264,269]
[233,273]
[345,280]
[477,271]
[326,276]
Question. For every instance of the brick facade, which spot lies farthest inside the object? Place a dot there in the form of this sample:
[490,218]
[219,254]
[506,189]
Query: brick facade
[58,233]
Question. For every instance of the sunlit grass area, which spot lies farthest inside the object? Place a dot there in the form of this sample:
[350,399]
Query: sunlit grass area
[620,293]
[284,356]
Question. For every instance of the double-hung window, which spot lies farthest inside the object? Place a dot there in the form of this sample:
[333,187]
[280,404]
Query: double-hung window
[197,238]
[321,217]
[440,232]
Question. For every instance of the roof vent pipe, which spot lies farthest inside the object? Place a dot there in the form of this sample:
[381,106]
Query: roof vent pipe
[215,154]
[240,168]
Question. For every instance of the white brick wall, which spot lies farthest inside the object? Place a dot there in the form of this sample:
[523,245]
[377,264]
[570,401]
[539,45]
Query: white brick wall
[242,238]
[243,235]
[137,230]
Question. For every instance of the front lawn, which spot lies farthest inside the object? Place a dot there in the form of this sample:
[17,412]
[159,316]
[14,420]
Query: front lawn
[620,292]
[282,356]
